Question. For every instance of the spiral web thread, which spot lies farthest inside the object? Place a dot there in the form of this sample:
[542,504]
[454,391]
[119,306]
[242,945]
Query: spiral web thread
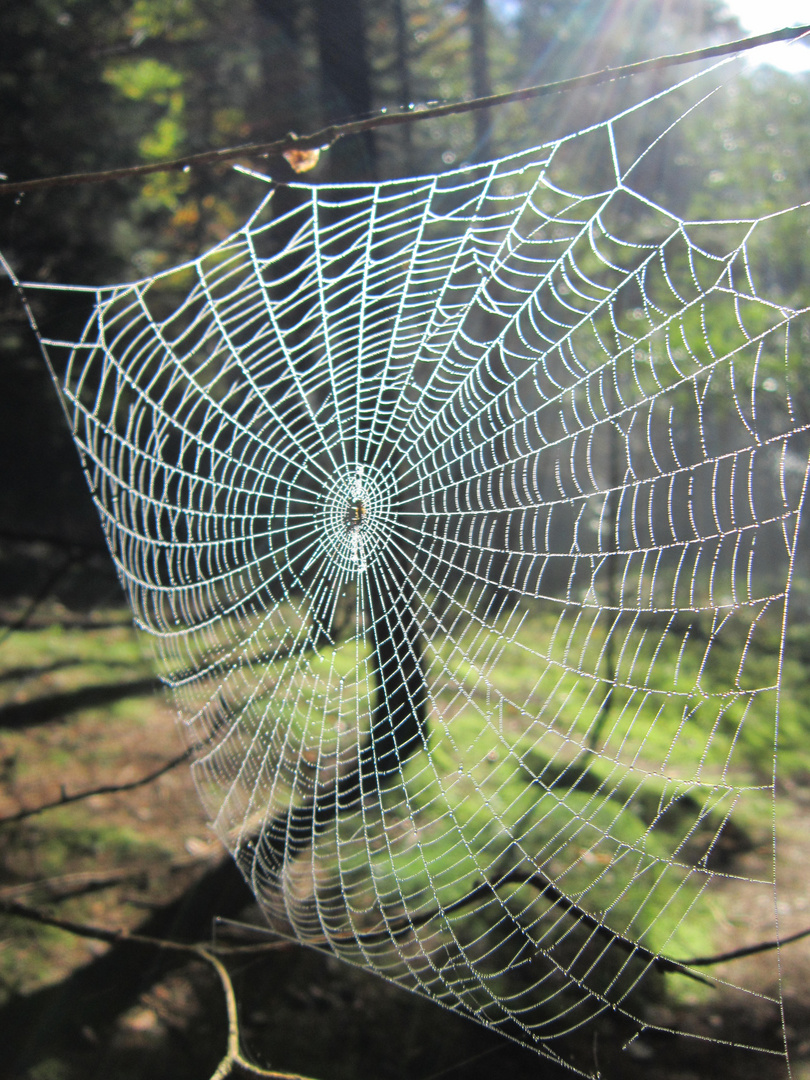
[463,512]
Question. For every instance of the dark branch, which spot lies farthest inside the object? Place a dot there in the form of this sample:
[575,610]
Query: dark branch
[16,909]
[84,930]
[82,882]
[746,950]
[327,136]
[99,991]
[104,789]
[483,891]
[550,892]
[194,950]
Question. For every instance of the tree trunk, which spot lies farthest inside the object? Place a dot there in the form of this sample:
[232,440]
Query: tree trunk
[403,78]
[480,78]
[345,84]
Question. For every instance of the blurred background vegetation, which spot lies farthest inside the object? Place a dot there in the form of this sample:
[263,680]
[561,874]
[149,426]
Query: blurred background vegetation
[84,85]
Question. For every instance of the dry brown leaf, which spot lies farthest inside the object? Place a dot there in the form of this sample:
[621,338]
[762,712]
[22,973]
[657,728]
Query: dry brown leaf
[302,160]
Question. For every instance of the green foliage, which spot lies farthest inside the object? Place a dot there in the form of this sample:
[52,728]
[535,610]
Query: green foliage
[147,80]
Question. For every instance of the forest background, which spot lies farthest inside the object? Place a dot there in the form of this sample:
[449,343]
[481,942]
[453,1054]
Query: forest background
[87,85]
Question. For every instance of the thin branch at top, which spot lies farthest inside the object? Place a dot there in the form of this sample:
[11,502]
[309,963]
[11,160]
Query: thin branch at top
[327,136]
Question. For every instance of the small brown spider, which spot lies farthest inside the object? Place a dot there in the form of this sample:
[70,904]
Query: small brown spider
[355,516]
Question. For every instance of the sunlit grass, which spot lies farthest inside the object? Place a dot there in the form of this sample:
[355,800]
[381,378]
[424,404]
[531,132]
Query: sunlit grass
[512,776]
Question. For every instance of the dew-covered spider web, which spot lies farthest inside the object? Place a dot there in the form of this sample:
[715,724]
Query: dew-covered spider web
[463,514]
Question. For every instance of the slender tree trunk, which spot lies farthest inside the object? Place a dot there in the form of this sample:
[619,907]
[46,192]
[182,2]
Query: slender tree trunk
[611,543]
[479,71]
[288,99]
[403,77]
[345,84]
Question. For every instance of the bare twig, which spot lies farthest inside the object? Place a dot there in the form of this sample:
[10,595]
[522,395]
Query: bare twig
[104,789]
[91,932]
[746,950]
[233,1057]
[327,136]
[86,930]
[550,891]
[233,1054]
[74,554]
[67,886]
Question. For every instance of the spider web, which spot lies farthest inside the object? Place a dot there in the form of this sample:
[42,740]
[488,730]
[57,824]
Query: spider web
[463,512]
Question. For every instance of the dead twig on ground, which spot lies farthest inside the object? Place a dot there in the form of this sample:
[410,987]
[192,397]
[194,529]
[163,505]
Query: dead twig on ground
[233,1057]
[103,789]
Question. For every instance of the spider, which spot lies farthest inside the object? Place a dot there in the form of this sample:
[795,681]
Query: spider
[355,516]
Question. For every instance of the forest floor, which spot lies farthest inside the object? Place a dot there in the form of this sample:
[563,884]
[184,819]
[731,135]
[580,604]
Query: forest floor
[115,857]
